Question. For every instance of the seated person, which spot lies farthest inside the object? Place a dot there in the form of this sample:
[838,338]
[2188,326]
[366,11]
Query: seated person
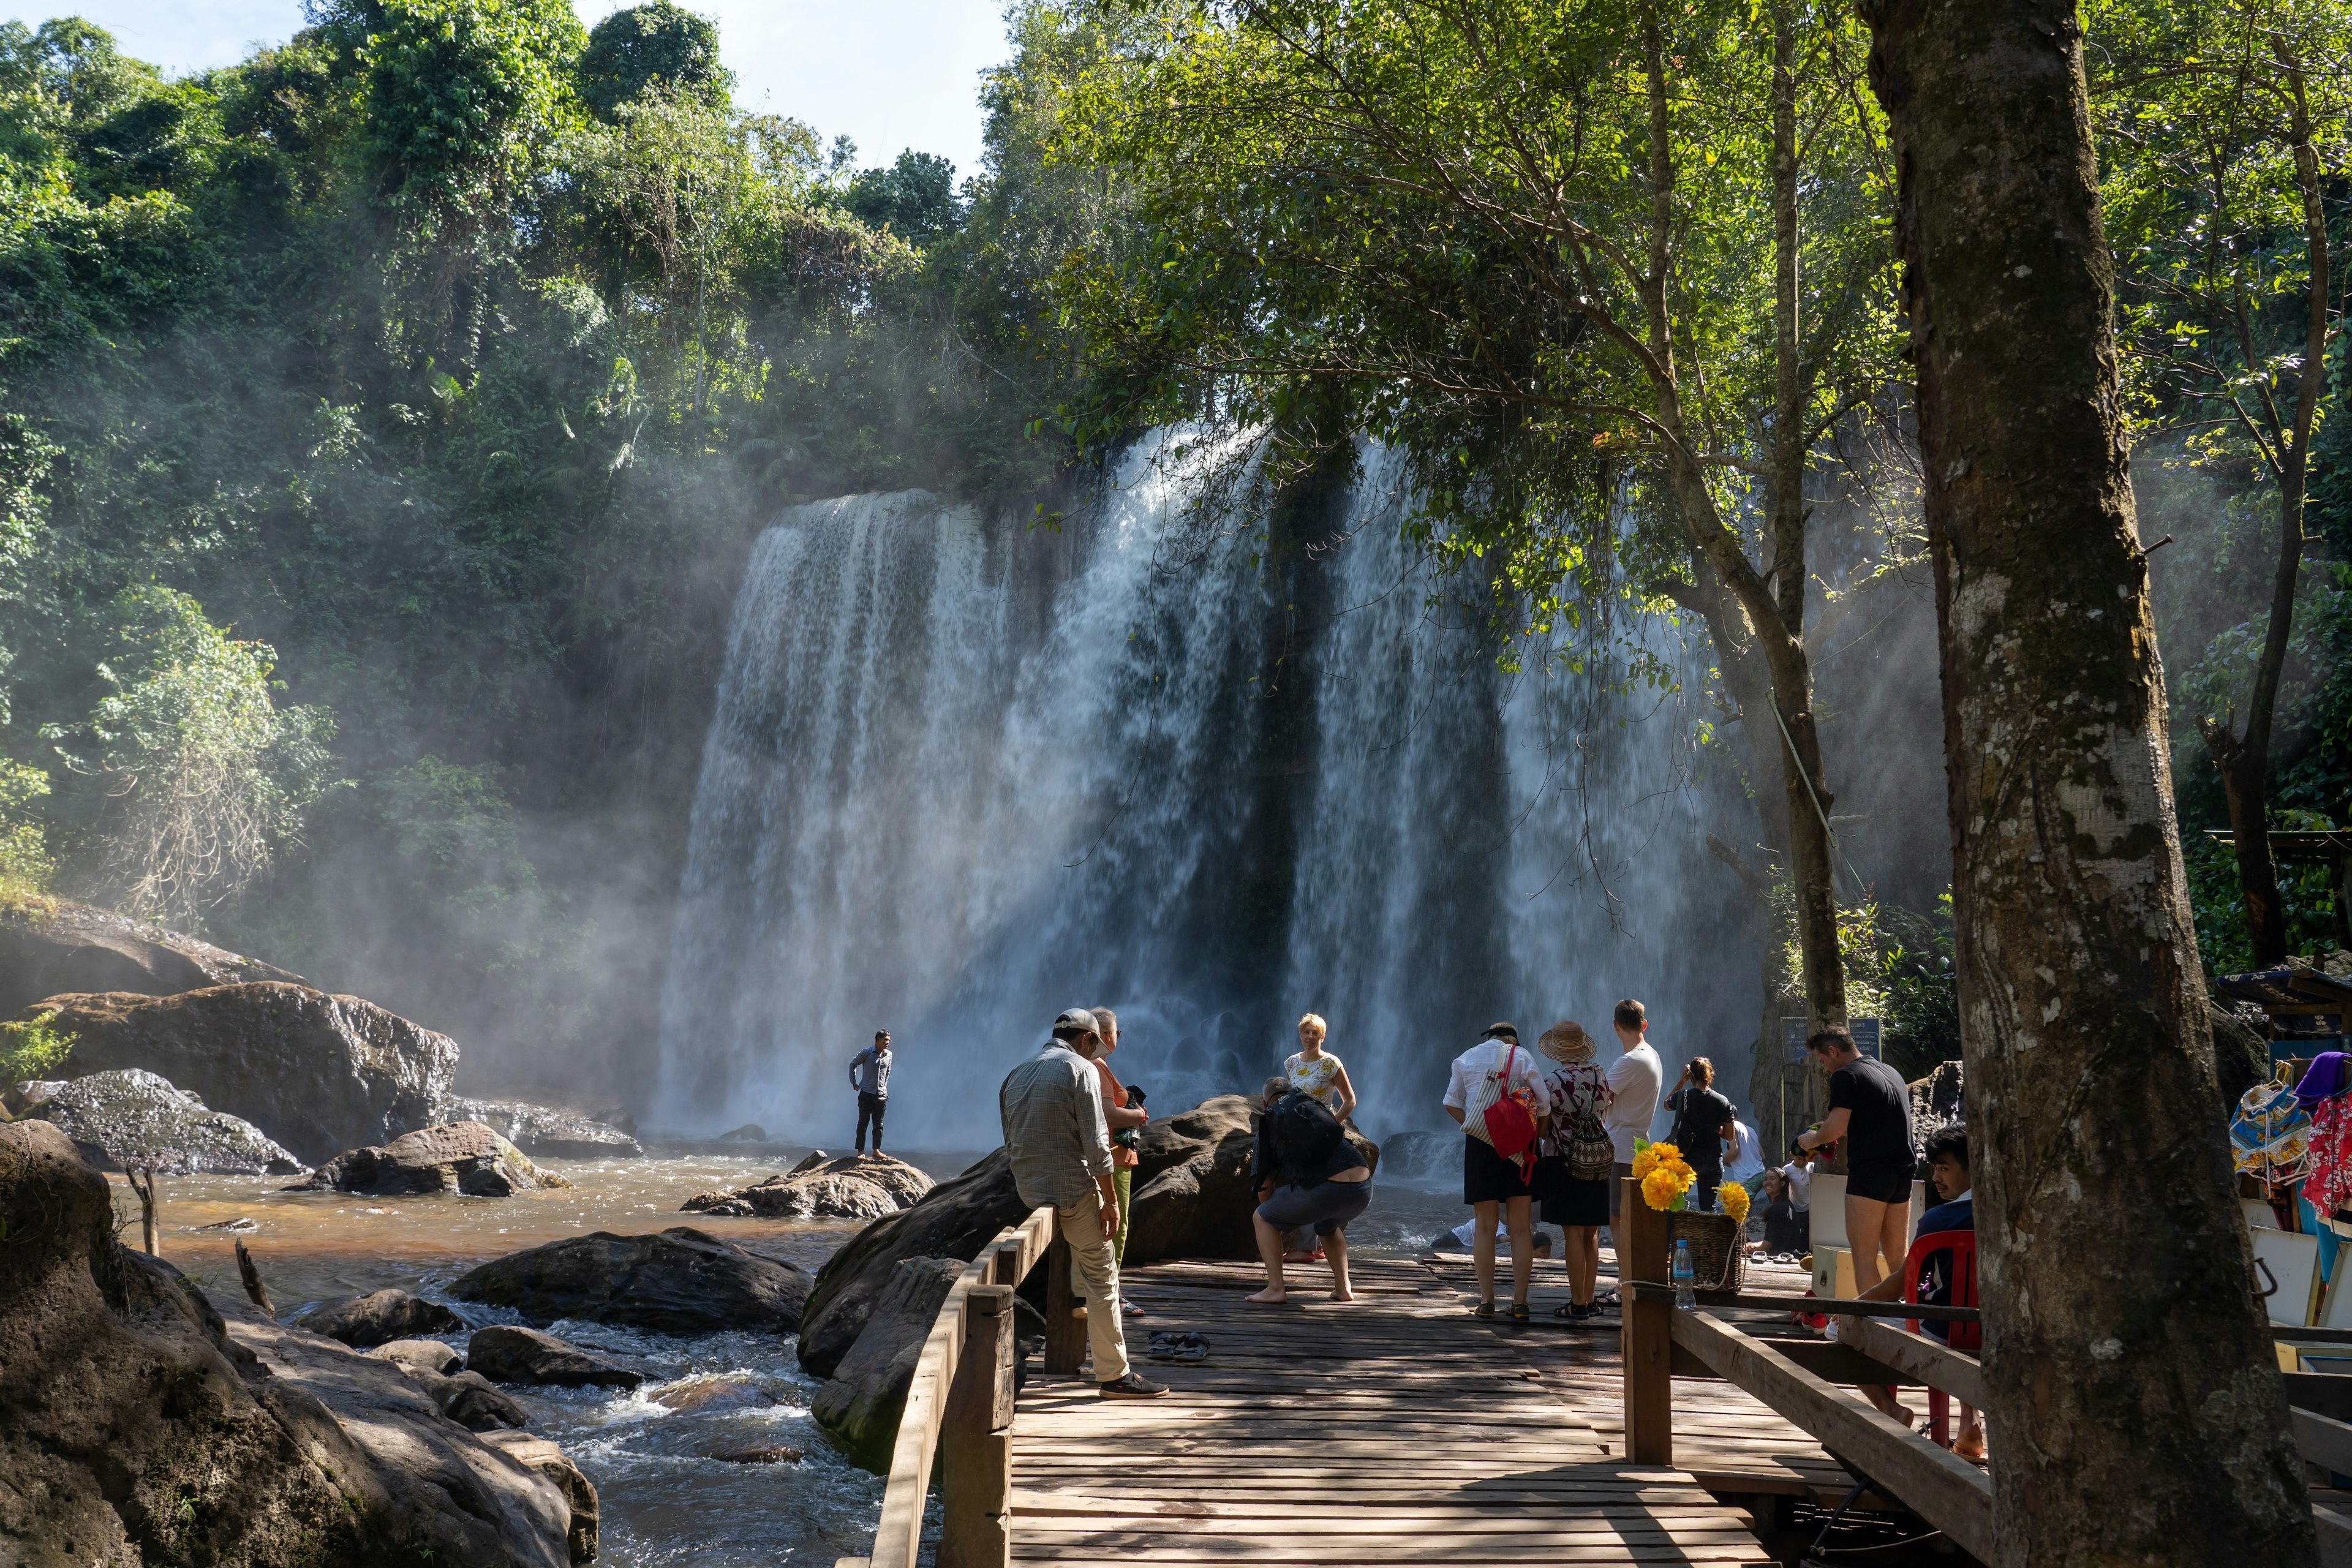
[1784,1229]
[1947,1161]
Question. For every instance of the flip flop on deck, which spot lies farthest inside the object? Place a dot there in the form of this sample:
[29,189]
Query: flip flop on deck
[1166,1346]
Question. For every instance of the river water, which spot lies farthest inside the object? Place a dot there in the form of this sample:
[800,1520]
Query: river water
[667,1499]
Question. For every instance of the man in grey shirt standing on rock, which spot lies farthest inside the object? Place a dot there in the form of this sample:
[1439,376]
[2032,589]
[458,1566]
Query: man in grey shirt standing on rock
[869,1075]
[1060,1144]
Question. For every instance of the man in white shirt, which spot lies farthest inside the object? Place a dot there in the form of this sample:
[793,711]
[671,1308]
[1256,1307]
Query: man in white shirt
[1635,1079]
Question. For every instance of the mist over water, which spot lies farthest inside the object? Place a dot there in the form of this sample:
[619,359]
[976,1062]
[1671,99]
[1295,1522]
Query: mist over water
[961,775]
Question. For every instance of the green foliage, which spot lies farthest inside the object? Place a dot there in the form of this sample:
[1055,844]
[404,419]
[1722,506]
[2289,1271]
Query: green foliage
[200,777]
[914,198]
[640,48]
[1922,1003]
[25,866]
[32,1050]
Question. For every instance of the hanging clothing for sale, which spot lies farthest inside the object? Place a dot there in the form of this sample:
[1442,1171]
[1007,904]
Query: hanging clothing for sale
[2270,1137]
[2329,1182]
[2325,1080]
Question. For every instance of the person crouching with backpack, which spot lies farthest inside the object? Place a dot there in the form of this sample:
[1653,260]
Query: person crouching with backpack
[1305,1173]
[1576,1184]
[1497,1096]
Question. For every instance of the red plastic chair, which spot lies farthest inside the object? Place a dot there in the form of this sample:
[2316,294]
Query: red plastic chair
[1962,1246]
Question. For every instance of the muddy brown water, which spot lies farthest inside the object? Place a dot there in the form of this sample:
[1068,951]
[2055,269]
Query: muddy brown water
[668,1499]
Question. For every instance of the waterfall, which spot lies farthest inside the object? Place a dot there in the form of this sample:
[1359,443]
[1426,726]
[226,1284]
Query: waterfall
[961,775]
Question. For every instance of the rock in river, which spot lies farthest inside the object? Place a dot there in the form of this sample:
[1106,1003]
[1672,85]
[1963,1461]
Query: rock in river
[318,1073]
[861,1406]
[51,946]
[851,1187]
[682,1281]
[506,1354]
[547,1131]
[381,1318]
[462,1157]
[142,1428]
[134,1117]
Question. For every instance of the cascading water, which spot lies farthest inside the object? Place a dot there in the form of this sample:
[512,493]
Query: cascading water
[962,775]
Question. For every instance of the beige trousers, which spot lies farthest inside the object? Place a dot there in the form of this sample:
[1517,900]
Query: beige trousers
[1093,1275]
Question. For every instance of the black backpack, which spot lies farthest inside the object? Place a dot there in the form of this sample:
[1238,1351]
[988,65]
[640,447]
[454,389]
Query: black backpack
[1305,1130]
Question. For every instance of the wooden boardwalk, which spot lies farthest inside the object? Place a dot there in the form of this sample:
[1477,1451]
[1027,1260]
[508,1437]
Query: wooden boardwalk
[1393,1429]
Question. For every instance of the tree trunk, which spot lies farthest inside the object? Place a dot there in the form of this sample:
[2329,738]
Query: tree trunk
[2138,1411]
[2244,760]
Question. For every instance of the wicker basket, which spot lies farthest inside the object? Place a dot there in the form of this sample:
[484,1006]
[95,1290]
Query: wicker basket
[1718,1260]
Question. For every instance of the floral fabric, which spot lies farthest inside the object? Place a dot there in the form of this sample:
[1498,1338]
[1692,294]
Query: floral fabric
[2330,1185]
[1320,1078]
[1573,1088]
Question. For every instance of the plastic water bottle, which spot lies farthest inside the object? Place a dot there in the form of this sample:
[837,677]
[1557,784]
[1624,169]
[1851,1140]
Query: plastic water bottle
[1683,1275]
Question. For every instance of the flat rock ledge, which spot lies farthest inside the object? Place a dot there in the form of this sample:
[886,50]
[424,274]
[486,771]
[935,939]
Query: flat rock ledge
[851,1187]
[461,1157]
[682,1281]
[548,1131]
[133,1117]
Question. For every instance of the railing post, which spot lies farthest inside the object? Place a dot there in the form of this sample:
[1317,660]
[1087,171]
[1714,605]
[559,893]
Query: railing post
[1066,1336]
[1648,1330]
[976,1439]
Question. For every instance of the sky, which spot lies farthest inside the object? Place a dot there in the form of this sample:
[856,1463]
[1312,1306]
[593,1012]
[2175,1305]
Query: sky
[889,74]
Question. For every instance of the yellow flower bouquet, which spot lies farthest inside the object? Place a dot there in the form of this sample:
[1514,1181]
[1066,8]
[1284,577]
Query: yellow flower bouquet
[1665,1176]
[1734,1199]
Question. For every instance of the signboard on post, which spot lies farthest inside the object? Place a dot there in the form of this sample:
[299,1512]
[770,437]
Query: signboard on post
[1866,1032]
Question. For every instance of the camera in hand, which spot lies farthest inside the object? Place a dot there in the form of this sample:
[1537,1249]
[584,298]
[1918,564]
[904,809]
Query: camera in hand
[1130,1137]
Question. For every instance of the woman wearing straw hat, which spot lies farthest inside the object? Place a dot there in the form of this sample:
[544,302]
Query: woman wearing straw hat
[1578,1093]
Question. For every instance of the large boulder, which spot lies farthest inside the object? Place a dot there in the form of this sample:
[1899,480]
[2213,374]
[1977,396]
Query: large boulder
[504,1353]
[861,1406]
[51,946]
[461,1157]
[132,1117]
[318,1073]
[380,1319]
[955,1219]
[545,1458]
[852,1187]
[547,1131]
[141,1429]
[472,1498]
[682,1281]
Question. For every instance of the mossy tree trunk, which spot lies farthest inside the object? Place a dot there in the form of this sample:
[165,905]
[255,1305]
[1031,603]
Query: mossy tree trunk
[2137,1412]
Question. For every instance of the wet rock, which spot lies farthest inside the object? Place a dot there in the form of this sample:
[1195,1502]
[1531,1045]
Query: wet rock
[848,1188]
[134,1116]
[682,1281]
[955,1219]
[318,1073]
[713,1394]
[472,1400]
[461,1157]
[142,1427]
[861,1406]
[760,1454]
[539,1455]
[809,1162]
[480,1503]
[506,1354]
[421,1357]
[750,1132]
[52,946]
[547,1131]
[381,1318]
[240,1225]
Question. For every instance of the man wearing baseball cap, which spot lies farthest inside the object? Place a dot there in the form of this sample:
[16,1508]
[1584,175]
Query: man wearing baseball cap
[1060,1143]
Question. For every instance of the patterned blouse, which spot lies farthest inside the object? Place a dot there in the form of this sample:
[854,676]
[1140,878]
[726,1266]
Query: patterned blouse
[1575,1087]
[1320,1078]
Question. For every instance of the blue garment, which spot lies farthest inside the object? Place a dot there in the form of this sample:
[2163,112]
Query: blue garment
[869,1072]
[1935,1275]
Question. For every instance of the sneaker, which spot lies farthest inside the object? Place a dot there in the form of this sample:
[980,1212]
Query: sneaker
[1130,1309]
[1132,1387]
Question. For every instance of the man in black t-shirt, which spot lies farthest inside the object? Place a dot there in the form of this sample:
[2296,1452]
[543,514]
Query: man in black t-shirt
[1870,1111]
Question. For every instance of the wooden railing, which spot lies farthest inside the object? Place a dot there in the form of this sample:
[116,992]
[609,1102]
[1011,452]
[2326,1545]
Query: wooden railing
[1799,1378]
[959,1412]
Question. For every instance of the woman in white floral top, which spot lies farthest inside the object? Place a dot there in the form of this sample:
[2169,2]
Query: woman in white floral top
[1576,1088]
[1317,1071]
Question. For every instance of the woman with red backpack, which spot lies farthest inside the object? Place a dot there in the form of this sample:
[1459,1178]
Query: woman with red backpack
[1496,1093]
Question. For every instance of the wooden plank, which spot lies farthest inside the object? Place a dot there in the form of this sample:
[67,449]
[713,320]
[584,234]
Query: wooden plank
[2325,1441]
[1931,1360]
[1825,1359]
[1942,1489]
[1833,1306]
[1646,1337]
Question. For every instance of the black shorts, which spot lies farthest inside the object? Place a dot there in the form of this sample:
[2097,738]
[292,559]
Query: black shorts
[1575,1201]
[1486,1176]
[1890,1186]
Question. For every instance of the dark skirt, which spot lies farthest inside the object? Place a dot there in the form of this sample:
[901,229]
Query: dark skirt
[1486,1176]
[1568,1201]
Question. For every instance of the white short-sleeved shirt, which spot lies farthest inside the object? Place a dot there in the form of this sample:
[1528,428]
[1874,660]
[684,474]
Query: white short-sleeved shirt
[1488,1057]
[1800,1184]
[1635,1080]
[1748,1158]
